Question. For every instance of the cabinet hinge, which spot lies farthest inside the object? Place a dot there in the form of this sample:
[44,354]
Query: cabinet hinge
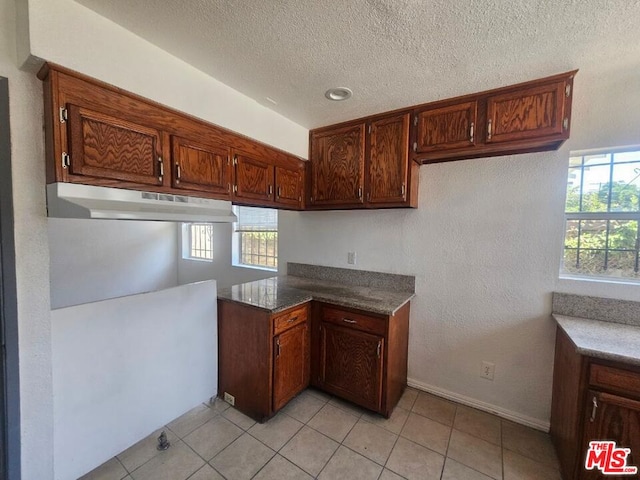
[235,189]
[415,121]
[565,123]
[369,129]
[64,115]
[379,348]
[235,159]
[567,90]
[359,192]
[66,160]
[415,146]
[403,189]
[228,160]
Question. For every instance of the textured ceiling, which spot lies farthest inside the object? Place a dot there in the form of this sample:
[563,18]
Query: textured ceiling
[391,53]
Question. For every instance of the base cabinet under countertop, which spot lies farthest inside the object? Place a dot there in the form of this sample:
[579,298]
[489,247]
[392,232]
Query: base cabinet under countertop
[266,359]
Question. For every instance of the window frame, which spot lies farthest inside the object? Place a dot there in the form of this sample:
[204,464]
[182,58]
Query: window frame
[607,216]
[187,239]
[237,247]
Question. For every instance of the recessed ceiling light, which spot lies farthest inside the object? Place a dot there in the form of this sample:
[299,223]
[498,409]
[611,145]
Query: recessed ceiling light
[338,94]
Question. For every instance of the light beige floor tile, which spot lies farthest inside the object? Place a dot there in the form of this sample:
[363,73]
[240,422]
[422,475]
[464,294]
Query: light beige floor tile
[530,443]
[334,422]
[349,407]
[413,461]
[373,442]
[217,404]
[239,418]
[177,463]
[408,398]
[479,424]
[187,423]
[243,458]
[109,470]
[303,407]
[435,408]
[427,432]
[276,431]
[394,423]
[309,450]
[456,471]
[318,394]
[206,473]
[476,453]
[346,463]
[279,468]
[211,438]
[517,467]
[144,450]
[389,475]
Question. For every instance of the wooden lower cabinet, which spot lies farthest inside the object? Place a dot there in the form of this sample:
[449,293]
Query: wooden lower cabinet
[265,360]
[593,400]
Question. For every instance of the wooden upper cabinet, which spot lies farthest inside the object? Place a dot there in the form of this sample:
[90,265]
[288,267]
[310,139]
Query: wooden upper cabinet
[387,165]
[113,149]
[289,186]
[447,127]
[201,167]
[533,112]
[337,166]
[253,178]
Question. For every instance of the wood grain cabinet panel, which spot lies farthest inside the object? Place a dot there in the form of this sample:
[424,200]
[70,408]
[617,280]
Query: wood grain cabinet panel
[447,128]
[201,167]
[337,166]
[111,148]
[525,114]
[291,364]
[387,166]
[289,186]
[351,364]
[254,178]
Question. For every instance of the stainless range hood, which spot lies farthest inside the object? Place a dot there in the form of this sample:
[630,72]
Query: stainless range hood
[72,200]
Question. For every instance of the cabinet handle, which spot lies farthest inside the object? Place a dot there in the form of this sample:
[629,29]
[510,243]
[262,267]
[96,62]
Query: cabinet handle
[594,409]
[278,347]
[471,133]
[178,171]
[403,190]
[293,319]
[379,348]
[359,192]
[489,130]
[161,168]
[270,189]
[348,320]
[279,192]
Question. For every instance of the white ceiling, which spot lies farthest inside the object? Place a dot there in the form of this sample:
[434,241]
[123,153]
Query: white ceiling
[391,53]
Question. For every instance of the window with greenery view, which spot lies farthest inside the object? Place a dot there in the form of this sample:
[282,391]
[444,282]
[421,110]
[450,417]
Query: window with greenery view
[602,236]
[257,237]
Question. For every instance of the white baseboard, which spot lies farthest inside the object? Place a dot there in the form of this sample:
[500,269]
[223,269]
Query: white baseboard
[486,407]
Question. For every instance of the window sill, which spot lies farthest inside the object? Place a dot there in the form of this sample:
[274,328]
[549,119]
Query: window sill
[254,267]
[200,260]
[597,280]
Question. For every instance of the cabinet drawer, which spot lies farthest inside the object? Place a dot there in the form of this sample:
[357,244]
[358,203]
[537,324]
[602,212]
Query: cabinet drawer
[355,320]
[289,319]
[615,379]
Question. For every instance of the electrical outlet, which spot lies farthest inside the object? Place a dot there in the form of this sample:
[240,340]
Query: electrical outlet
[351,258]
[230,399]
[488,369]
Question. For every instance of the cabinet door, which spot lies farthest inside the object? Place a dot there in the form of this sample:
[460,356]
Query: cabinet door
[611,417]
[291,364]
[200,167]
[351,364]
[110,148]
[447,128]
[527,114]
[388,160]
[289,186]
[253,178]
[337,166]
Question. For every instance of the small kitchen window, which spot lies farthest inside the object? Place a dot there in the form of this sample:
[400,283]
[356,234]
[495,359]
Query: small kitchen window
[602,215]
[256,238]
[198,238]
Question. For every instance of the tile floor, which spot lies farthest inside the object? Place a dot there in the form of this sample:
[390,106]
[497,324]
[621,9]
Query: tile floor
[318,436]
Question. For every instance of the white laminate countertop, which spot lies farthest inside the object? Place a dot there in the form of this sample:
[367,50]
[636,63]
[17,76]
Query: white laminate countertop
[600,339]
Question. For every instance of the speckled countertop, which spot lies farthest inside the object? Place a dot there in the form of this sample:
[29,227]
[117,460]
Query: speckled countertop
[602,339]
[279,293]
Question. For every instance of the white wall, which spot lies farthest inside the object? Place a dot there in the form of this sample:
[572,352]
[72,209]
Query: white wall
[485,246]
[98,259]
[221,268]
[127,366]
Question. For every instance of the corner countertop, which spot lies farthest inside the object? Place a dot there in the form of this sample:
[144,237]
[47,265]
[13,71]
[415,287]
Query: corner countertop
[279,293]
[602,339]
